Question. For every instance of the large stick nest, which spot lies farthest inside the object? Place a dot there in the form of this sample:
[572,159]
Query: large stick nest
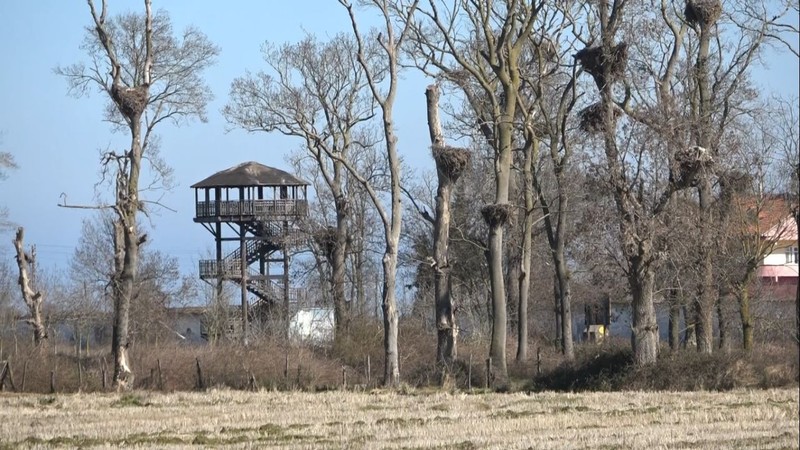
[703,12]
[131,101]
[689,164]
[735,182]
[600,65]
[451,161]
[593,117]
[326,239]
[496,215]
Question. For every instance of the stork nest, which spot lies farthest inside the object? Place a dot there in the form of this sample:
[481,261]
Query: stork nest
[326,239]
[451,161]
[703,12]
[735,182]
[496,215]
[593,118]
[600,66]
[131,101]
[689,163]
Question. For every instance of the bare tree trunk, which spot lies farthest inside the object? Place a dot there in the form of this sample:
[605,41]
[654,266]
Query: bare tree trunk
[724,341]
[689,336]
[391,368]
[746,317]
[338,268]
[635,234]
[450,162]
[704,305]
[33,299]
[557,312]
[645,327]
[674,320]
[497,349]
[525,257]
[565,300]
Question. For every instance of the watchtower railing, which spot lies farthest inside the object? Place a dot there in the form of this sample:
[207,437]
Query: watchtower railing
[252,208]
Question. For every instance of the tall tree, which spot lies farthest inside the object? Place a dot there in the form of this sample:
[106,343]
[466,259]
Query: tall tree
[478,46]
[550,83]
[390,39]
[32,296]
[450,164]
[719,92]
[606,63]
[318,92]
[158,283]
[149,76]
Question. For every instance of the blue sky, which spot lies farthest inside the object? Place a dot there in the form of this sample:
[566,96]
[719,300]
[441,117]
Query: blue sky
[56,139]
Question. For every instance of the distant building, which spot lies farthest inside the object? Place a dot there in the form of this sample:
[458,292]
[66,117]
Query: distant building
[312,324]
[778,272]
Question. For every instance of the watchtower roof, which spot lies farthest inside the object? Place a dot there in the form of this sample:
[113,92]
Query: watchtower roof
[250,173]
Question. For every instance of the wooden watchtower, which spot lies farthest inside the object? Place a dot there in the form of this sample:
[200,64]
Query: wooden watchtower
[253,212]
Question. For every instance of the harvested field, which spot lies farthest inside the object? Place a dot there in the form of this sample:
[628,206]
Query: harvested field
[380,419]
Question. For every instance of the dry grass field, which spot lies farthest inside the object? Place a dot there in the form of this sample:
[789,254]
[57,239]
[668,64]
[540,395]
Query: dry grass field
[380,419]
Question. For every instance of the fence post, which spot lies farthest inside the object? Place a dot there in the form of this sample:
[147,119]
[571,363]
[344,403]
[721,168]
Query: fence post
[200,384]
[24,375]
[80,375]
[469,373]
[488,371]
[53,381]
[369,372]
[103,373]
[160,379]
[344,377]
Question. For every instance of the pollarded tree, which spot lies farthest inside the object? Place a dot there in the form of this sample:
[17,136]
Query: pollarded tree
[31,295]
[316,91]
[478,46]
[150,76]
[729,37]
[451,162]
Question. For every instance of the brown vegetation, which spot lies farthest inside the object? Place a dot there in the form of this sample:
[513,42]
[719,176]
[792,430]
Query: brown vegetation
[381,419]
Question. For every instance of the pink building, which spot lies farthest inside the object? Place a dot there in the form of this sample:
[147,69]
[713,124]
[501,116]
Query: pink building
[779,269]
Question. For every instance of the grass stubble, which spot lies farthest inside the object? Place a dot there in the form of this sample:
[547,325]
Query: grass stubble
[416,419]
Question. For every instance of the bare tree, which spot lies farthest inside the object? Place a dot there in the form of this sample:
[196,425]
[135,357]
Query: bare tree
[450,164]
[150,77]
[32,297]
[158,283]
[478,46]
[606,63]
[390,39]
[318,92]
[786,135]
[718,93]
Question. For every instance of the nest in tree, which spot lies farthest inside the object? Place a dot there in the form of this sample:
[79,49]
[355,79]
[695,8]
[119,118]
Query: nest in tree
[451,161]
[735,182]
[326,239]
[497,214]
[593,118]
[703,12]
[600,66]
[131,101]
[690,162]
